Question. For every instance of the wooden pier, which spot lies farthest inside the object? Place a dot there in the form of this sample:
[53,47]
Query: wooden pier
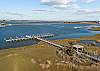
[40,38]
[28,37]
[92,57]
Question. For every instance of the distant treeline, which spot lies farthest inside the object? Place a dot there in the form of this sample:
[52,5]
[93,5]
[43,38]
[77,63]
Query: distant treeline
[36,21]
[39,21]
[82,22]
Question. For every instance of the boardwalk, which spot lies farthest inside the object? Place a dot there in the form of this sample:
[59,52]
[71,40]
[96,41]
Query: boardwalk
[93,57]
[51,43]
[29,37]
[39,37]
[96,58]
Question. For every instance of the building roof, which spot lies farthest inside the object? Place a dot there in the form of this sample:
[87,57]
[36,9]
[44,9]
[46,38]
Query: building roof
[78,46]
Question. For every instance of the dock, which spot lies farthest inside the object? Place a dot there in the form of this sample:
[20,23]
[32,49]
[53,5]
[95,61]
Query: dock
[92,57]
[40,38]
[51,43]
[28,37]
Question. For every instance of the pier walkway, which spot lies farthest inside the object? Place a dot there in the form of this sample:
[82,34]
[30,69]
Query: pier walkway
[95,58]
[27,37]
[51,43]
[40,38]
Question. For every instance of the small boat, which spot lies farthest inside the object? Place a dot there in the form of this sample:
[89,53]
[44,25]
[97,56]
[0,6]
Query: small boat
[4,24]
[77,27]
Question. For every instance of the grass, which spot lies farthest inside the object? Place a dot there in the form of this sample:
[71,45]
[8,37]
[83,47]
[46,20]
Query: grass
[95,28]
[96,37]
[20,59]
[16,62]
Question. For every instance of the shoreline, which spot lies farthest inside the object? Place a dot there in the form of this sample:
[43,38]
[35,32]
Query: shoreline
[60,41]
[82,22]
[42,21]
[35,56]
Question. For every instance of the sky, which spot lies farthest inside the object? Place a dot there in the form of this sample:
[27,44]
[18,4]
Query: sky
[66,10]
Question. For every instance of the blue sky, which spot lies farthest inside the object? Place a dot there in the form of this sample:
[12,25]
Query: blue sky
[50,9]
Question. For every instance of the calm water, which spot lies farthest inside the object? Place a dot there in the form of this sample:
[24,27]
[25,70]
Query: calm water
[61,30]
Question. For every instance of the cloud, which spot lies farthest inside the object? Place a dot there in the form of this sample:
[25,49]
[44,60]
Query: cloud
[65,4]
[60,3]
[88,1]
[42,10]
[56,2]
[87,11]
[12,15]
[69,6]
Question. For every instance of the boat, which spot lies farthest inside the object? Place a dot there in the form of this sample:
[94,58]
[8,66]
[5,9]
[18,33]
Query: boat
[4,24]
[77,27]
